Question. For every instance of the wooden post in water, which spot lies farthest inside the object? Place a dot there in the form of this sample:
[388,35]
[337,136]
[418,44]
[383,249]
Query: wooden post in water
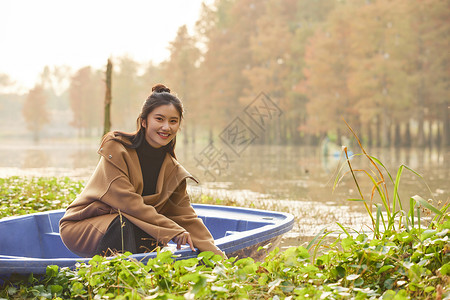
[107,117]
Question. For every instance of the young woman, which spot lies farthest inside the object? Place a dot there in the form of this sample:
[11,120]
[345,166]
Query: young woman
[136,198]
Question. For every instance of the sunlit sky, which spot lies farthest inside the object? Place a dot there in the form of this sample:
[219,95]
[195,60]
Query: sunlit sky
[77,33]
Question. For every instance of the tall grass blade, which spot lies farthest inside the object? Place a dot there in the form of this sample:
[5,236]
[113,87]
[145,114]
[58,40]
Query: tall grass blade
[418,217]
[391,222]
[357,185]
[412,203]
[407,221]
[387,172]
[396,185]
[343,229]
[377,224]
[439,218]
[376,185]
[311,243]
[427,205]
[373,163]
[316,249]
[353,173]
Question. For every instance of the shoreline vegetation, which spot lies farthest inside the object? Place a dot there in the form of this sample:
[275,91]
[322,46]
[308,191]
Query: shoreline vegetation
[405,255]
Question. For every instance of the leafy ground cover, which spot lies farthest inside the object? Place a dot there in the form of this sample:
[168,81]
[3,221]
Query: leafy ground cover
[405,265]
[25,195]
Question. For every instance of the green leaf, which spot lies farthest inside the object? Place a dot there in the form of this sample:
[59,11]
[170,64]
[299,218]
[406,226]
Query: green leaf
[347,243]
[201,283]
[52,271]
[384,268]
[352,276]
[445,269]
[206,254]
[388,283]
[340,271]
[190,277]
[262,280]
[11,290]
[427,234]
[425,204]
[358,282]
[215,288]
[55,289]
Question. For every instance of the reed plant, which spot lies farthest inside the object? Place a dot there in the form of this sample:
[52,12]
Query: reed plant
[388,214]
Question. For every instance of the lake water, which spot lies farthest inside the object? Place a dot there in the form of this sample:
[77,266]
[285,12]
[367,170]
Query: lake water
[294,179]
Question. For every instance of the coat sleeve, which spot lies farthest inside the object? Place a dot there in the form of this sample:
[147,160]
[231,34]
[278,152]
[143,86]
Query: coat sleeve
[121,196]
[179,209]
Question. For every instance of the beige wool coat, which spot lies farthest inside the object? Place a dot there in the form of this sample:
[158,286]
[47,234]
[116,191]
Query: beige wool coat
[116,186]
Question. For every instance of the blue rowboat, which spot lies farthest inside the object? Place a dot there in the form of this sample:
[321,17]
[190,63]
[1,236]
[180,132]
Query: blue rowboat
[29,243]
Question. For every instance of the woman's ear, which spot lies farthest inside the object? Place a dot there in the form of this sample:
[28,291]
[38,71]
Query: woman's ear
[144,123]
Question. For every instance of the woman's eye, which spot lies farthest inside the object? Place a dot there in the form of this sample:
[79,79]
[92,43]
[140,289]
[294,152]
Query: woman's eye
[159,118]
[174,121]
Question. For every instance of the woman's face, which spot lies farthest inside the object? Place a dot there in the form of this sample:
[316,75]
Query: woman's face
[161,125]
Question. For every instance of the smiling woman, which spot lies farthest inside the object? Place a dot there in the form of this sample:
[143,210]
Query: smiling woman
[136,200]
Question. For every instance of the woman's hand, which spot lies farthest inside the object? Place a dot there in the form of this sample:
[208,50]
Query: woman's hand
[183,239]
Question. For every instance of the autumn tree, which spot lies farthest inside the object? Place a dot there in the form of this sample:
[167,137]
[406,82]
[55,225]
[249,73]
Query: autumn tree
[377,81]
[86,93]
[5,81]
[327,58]
[270,54]
[180,73]
[429,65]
[309,16]
[225,28]
[35,111]
[151,75]
[127,92]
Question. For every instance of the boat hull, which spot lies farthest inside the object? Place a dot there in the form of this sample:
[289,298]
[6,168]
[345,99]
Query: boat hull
[28,244]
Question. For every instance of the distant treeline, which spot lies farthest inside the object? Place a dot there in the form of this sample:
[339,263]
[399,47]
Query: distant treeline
[383,66]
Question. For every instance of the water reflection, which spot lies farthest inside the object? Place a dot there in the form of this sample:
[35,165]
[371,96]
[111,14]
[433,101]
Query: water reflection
[35,158]
[291,178]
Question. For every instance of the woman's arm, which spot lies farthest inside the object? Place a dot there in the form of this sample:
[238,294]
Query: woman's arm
[179,209]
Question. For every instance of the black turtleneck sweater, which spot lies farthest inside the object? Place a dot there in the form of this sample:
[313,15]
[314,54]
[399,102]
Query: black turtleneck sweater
[151,160]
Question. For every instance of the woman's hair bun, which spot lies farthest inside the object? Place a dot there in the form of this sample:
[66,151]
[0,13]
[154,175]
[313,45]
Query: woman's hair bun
[160,88]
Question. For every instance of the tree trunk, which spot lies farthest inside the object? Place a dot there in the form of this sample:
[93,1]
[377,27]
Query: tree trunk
[369,135]
[420,129]
[397,135]
[446,131]
[389,134]
[438,135]
[430,134]
[385,131]
[407,139]
[378,131]
[107,116]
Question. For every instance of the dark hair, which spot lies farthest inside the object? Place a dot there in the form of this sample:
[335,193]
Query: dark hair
[160,96]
